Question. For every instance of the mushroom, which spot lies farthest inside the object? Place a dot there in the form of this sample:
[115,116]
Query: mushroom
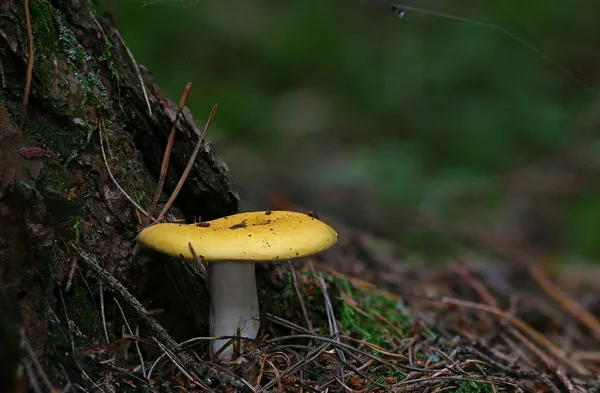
[232,245]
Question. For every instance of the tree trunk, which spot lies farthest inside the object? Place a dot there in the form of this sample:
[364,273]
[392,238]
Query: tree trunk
[55,188]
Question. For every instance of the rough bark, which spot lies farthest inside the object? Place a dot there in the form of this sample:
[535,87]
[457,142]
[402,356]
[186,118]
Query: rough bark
[55,188]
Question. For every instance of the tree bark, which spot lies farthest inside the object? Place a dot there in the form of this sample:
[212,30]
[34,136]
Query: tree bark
[54,184]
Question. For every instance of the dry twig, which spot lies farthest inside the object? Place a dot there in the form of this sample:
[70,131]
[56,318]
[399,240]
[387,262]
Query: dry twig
[134,203]
[167,155]
[189,165]
[29,75]
[137,346]
[159,331]
[584,316]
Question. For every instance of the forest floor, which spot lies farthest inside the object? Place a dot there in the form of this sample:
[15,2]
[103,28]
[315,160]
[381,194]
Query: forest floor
[358,319]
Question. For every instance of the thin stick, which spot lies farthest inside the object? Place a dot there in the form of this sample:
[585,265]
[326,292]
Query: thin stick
[158,330]
[117,287]
[134,203]
[102,313]
[574,308]
[66,375]
[137,70]
[167,155]
[300,297]
[199,260]
[524,327]
[333,329]
[175,362]
[314,354]
[489,299]
[110,154]
[2,76]
[71,273]
[29,75]
[31,377]
[88,288]
[111,13]
[64,304]
[565,380]
[35,360]
[137,346]
[189,166]
[532,333]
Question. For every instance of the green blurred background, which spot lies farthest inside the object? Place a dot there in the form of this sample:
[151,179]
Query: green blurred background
[345,108]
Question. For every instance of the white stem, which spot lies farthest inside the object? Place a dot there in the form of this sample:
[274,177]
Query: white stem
[233,303]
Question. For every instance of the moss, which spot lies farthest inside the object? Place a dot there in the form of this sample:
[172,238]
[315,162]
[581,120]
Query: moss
[83,310]
[69,46]
[66,141]
[50,179]
[77,229]
[63,65]
[366,326]
[57,345]
[315,372]
[42,24]
[384,376]
[283,301]
[110,61]
[139,197]
[78,59]
[47,265]
[472,387]
[69,85]
[52,184]
[65,214]
[275,299]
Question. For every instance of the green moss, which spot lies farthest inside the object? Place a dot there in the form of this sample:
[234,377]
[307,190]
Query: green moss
[69,46]
[62,64]
[78,59]
[382,375]
[57,345]
[110,61]
[77,229]
[42,24]
[66,141]
[47,265]
[65,212]
[279,299]
[82,309]
[316,371]
[138,197]
[366,326]
[473,387]
[51,180]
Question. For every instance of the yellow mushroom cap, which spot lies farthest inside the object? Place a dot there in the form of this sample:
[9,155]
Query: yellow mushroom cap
[251,237]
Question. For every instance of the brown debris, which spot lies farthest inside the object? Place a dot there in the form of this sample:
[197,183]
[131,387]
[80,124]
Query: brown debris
[31,152]
[238,226]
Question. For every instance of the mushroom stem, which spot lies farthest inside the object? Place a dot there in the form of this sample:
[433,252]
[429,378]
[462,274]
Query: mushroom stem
[233,304]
